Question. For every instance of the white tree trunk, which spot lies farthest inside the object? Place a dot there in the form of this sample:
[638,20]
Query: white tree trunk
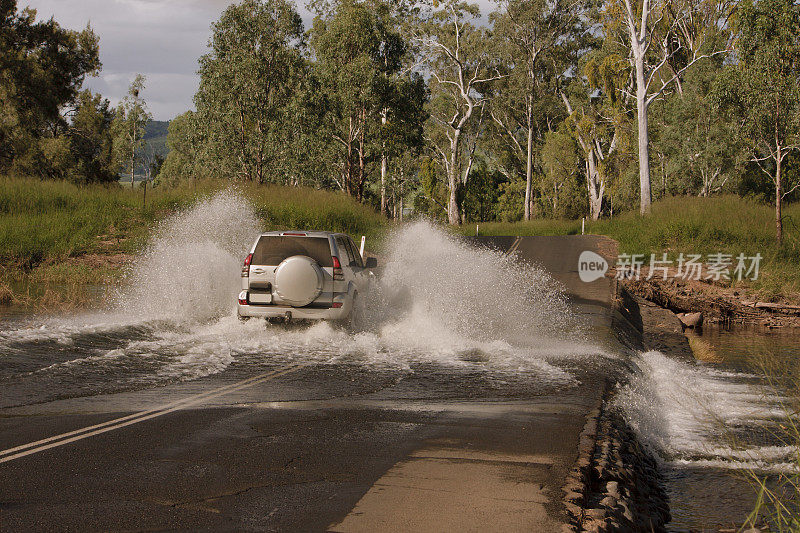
[384,164]
[453,180]
[595,186]
[778,194]
[529,173]
[643,133]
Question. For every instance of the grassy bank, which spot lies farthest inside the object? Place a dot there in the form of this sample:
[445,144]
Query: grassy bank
[56,237]
[726,224]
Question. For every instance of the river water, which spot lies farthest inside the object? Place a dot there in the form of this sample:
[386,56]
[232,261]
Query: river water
[440,303]
[716,420]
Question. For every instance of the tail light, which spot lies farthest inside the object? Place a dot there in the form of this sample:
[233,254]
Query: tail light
[337,305]
[243,298]
[246,267]
[338,273]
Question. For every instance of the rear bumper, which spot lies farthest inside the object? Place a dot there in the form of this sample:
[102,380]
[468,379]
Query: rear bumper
[306,313]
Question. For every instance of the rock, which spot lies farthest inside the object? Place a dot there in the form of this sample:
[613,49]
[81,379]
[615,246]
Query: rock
[595,514]
[691,320]
[609,501]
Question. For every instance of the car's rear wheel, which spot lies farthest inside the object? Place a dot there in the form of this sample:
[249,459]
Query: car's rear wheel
[356,318]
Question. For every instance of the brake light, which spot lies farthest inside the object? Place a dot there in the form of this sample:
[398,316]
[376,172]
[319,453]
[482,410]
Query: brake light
[246,267]
[338,273]
[293,234]
[243,298]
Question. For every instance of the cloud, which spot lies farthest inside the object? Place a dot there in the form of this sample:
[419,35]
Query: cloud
[162,39]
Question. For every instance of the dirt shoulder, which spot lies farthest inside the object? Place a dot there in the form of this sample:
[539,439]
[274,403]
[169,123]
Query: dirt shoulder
[718,303]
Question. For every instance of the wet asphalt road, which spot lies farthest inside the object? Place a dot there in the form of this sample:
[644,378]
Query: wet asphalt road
[320,447]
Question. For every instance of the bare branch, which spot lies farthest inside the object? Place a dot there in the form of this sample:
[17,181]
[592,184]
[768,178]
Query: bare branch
[679,73]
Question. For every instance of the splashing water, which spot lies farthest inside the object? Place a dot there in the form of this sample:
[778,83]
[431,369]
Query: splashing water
[439,301]
[703,417]
[437,286]
[191,268]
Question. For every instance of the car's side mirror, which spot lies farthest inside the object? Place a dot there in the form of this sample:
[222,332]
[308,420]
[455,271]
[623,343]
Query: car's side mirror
[371,263]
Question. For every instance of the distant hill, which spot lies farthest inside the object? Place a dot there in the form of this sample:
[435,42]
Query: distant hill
[156,128]
[155,136]
[155,139]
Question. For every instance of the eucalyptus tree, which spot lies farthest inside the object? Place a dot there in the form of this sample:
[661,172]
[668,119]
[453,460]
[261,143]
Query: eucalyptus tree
[373,110]
[650,32]
[42,69]
[91,140]
[701,147]
[184,157]
[247,83]
[454,51]
[594,99]
[762,88]
[348,51]
[535,38]
[130,120]
[591,125]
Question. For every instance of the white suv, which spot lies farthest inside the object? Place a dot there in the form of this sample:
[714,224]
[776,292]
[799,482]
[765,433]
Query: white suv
[303,274]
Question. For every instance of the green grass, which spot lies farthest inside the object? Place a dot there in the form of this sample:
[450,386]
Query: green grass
[47,227]
[303,208]
[43,221]
[726,224]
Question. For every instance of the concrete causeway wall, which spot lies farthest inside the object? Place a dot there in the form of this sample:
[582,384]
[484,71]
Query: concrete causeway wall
[615,484]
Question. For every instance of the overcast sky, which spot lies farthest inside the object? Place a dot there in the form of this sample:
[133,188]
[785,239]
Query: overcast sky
[161,39]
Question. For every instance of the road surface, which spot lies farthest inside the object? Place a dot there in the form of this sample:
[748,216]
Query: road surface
[315,447]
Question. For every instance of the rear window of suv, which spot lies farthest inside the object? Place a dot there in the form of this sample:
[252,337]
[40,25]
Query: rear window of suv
[272,250]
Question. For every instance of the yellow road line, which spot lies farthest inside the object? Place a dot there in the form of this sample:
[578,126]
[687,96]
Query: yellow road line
[72,436]
[514,246]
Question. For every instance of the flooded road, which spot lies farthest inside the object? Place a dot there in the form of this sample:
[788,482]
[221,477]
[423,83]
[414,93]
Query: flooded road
[466,355]
[468,362]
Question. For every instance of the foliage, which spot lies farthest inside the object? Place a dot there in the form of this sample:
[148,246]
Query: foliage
[761,90]
[370,110]
[698,151]
[454,50]
[247,82]
[559,184]
[130,119]
[42,68]
[91,143]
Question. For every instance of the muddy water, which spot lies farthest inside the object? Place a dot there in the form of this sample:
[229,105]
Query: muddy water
[714,420]
[440,305]
[174,317]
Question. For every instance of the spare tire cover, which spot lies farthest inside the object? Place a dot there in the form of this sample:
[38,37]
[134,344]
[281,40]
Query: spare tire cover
[298,280]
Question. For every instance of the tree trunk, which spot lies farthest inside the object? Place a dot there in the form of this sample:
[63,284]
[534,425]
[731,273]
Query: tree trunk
[454,181]
[595,186]
[529,173]
[361,160]
[400,213]
[348,182]
[778,196]
[384,161]
[133,154]
[384,164]
[644,136]
[243,148]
